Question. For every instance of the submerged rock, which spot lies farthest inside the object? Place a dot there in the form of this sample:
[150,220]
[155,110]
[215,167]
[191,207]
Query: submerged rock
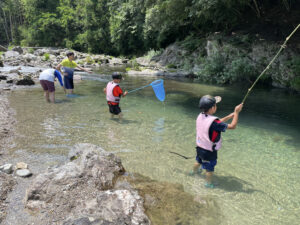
[25,81]
[83,191]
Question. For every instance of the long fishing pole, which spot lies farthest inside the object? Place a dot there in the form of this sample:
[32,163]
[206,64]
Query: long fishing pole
[185,157]
[263,72]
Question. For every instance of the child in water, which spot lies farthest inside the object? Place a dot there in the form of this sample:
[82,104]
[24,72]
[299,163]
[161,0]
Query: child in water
[208,137]
[113,95]
[68,66]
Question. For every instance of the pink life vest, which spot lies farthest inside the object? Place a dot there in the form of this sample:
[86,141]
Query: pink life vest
[109,92]
[203,124]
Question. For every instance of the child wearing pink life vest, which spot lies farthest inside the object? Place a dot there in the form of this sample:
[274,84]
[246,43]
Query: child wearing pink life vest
[113,95]
[208,137]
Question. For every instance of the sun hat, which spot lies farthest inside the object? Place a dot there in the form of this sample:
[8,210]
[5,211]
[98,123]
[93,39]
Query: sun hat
[208,101]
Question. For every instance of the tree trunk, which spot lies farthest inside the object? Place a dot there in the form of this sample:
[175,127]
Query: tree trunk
[5,26]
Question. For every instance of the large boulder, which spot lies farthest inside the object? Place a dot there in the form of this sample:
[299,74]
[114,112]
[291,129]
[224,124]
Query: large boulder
[83,191]
[18,49]
[25,81]
[11,54]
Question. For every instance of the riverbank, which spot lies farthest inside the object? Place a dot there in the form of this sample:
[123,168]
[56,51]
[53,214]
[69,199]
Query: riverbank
[7,122]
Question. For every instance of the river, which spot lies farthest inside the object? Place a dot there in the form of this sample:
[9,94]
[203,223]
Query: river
[258,165]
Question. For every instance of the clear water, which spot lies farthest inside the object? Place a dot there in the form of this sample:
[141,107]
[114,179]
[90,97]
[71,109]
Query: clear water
[258,166]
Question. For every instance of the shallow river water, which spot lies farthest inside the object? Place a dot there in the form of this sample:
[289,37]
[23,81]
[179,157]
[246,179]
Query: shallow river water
[258,166]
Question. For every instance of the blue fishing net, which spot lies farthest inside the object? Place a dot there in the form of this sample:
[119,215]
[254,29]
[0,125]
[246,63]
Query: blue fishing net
[159,90]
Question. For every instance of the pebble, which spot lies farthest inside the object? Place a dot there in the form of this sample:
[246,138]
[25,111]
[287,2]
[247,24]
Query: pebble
[23,173]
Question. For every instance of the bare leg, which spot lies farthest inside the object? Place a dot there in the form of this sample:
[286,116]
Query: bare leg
[46,94]
[196,167]
[209,175]
[52,96]
[120,116]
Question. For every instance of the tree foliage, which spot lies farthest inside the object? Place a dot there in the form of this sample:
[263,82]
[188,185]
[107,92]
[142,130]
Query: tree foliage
[128,27]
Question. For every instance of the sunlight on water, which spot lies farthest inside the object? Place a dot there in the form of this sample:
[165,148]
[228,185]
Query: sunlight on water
[258,166]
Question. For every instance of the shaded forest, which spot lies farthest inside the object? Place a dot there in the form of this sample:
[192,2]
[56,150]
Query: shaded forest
[133,27]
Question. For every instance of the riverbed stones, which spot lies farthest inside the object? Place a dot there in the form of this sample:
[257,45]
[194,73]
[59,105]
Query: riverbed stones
[21,165]
[11,54]
[23,173]
[83,191]
[7,168]
[7,183]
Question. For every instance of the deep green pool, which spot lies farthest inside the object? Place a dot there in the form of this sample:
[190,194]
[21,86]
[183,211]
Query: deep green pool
[258,170]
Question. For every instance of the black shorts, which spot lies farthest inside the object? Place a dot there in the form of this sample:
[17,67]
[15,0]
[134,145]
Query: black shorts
[114,109]
[205,154]
[68,82]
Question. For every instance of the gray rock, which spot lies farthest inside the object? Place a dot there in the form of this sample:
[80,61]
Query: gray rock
[18,49]
[25,81]
[83,191]
[11,54]
[7,168]
[23,173]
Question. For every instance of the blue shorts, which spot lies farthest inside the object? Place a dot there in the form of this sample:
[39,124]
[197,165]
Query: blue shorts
[209,165]
[206,158]
[68,82]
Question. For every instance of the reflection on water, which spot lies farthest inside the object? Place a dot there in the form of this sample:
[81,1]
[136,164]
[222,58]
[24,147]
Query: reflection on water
[258,166]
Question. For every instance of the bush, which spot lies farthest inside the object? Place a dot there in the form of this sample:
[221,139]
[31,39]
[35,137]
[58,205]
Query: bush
[46,56]
[152,53]
[171,66]
[295,66]
[213,69]
[31,50]
[240,69]
[89,60]
[216,69]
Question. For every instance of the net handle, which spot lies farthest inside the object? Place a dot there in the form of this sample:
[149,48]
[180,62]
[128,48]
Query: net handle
[138,88]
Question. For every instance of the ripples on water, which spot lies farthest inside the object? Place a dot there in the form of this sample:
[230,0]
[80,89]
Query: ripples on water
[258,166]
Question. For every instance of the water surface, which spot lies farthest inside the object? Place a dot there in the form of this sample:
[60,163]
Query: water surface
[258,166]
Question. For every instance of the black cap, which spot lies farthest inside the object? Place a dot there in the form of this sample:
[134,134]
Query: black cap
[116,75]
[208,101]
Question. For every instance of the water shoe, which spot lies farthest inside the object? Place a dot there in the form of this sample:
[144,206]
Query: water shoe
[209,185]
[192,172]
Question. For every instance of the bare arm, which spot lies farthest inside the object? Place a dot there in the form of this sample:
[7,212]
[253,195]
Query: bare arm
[235,119]
[125,93]
[58,67]
[104,90]
[228,117]
[84,69]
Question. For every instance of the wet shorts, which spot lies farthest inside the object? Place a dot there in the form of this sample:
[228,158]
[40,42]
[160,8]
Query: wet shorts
[114,109]
[209,165]
[68,82]
[47,85]
[206,158]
